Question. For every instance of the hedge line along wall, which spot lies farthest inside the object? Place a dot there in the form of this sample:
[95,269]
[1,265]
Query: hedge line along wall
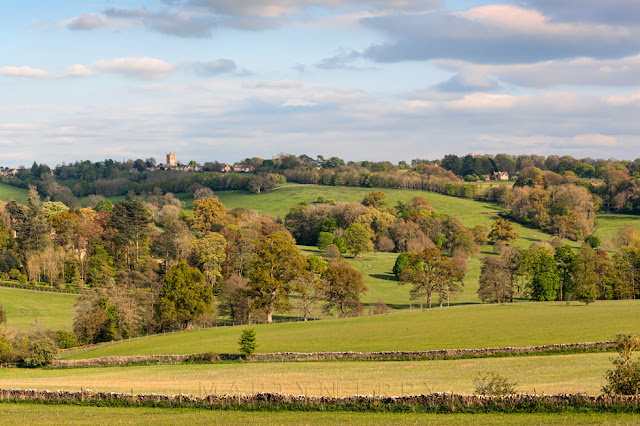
[325,356]
[435,402]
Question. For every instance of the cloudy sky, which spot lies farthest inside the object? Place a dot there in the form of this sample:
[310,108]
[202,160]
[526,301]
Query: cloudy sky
[360,79]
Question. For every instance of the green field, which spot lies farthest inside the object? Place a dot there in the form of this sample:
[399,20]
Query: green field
[50,310]
[534,374]
[8,192]
[480,326]
[34,414]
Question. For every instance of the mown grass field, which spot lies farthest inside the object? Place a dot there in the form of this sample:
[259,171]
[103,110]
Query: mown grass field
[572,373]
[34,414]
[8,192]
[50,310]
[481,326]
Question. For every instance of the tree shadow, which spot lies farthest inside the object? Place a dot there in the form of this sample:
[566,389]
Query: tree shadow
[387,277]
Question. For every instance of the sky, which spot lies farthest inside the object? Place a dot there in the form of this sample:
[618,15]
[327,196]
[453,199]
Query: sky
[222,80]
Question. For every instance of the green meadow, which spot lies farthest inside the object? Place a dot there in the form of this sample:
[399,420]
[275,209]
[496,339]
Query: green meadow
[49,310]
[475,326]
[8,192]
[35,414]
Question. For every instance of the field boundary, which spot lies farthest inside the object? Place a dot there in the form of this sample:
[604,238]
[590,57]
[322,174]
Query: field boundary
[38,288]
[433,402]
[442,354]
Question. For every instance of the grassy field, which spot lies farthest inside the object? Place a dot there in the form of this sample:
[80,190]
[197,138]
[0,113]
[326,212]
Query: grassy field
[534,374]
[481,326]
[8,192]
[33,414]
[51,310]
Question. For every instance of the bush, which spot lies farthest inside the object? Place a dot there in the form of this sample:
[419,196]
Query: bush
[14,274]
[41,352]
[332,252]
[624,379]
[380,307]
[247,342]
[493,384]
[324,239]
[66,340]
[3,315]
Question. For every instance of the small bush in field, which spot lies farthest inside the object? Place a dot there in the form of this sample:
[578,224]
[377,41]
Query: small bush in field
[247,342]
[493,384]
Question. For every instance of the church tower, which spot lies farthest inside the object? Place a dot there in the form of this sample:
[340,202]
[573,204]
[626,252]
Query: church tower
[171,159]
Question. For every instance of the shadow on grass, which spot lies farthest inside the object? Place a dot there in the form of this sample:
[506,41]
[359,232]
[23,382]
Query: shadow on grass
[387,277]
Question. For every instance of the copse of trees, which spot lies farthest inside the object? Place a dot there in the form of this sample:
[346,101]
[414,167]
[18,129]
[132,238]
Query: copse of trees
[562,273]
[411,226]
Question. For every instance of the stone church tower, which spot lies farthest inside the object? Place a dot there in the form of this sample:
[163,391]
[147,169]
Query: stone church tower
[171,159]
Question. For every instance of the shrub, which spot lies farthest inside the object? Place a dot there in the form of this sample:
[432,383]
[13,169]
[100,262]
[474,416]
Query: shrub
[624,379]
[3,315]
[493,384]
[41,352]
[332,252]
[324,239]
[14,274]
[66,340]
[380,307]
[247,342]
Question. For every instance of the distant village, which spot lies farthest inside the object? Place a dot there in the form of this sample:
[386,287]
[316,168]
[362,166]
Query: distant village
[171,164]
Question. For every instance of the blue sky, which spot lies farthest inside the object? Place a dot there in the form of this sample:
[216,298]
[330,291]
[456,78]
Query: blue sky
[362,79]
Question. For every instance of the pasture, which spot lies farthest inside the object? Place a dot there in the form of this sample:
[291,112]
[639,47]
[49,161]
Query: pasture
[49,310]
[8,192]
[35,414]
[571,373]
[475,326]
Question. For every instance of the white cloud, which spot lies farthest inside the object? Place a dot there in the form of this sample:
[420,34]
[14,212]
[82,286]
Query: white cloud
[138,68]
[25,72]
[575,72]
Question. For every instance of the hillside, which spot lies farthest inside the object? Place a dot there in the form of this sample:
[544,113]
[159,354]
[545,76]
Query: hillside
[51,310]
[521,324]
[8,192]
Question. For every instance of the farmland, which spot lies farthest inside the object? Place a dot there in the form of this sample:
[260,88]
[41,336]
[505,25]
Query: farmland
[50,310]
[20,414]
[481,326]
[8,192]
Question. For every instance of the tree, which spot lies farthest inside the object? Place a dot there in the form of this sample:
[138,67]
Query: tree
[430,271]
[357,239]
[503,230]
[624,379]
[247,342]
[275,264]
[375,199]
[342,288]
[207,215]
[308,285]
[209,253]
[324,239]
[541,269]
[586,275]
[184,298]
[627,265]
[130,220]
[566,265]
[494,281]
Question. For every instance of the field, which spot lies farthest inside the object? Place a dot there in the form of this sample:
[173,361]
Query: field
[466,324]
[51,310]
[480,326]
[7,192]
[33,414]
[534,374]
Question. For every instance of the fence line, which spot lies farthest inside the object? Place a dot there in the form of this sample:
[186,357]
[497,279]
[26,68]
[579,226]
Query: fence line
[39,288]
